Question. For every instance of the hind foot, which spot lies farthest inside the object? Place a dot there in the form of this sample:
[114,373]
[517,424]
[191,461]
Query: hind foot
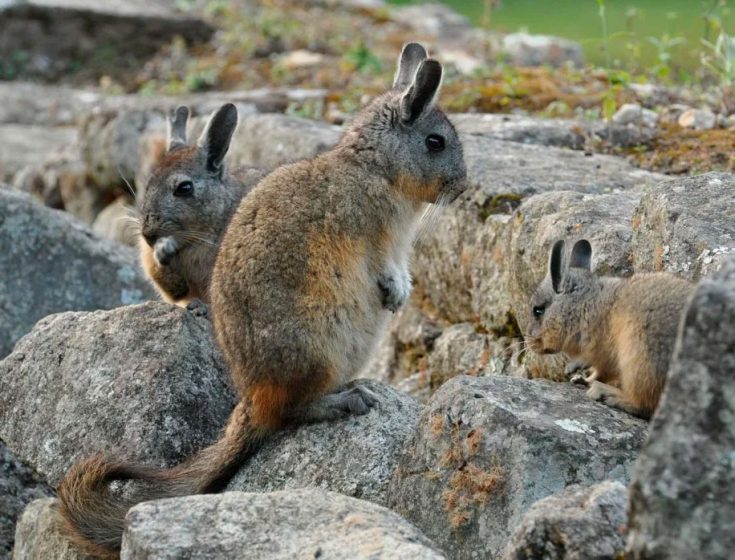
[355,401]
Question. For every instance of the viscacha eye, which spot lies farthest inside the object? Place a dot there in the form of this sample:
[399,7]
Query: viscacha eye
[539,311]
[435,143]
[184,189]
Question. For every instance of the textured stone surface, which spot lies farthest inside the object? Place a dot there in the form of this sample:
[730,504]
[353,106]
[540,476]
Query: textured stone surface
[278,525]
[355,456]
[267,141]
[50,262]
[49,39]
[561,133]
[488,448]
[144,381]
[24,145]
[579,523]
[686,226]
[682,503]
[38,537]
[19,486]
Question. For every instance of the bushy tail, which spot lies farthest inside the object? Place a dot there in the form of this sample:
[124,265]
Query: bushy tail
[94,515]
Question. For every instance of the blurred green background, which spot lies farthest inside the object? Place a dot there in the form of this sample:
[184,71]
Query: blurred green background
[642,34]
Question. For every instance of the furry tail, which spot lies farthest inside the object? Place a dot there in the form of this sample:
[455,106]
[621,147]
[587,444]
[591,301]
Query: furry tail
[94,514]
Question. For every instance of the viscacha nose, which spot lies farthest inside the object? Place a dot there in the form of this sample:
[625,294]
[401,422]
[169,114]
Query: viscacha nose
[149,231]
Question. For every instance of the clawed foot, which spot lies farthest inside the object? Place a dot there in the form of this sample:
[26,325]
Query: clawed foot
[198,307]
[356,401]
[164,250]
[395,287]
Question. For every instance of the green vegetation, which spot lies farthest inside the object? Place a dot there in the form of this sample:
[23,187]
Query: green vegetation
[661,36]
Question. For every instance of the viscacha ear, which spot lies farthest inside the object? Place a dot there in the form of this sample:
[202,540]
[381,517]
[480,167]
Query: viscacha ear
[581,255]
[411,56]
[216,136]
[422,92]
[555,265]
[176,136]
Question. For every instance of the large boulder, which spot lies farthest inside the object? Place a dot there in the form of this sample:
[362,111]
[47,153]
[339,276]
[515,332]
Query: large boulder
[50,262]
[279,525]
[579,523]
[686,226]
[355,456]
[38,537]
[19,486]
[50,39]
[144,381]
[488,448]
[682,503]
[523,49]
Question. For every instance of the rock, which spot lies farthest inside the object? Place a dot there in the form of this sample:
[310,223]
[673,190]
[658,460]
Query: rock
[686,226]
[89,35]
[522,49]
[698,119]
[38,536]
[24,145]
[355,456]
[279,525]
[50,262]
[19,486]
[114,222]
[681,499]
[488,448]
[301,58]
[432,18]
[579,523]
[562,133]
[74,386]
[267,141]
[43,105]
[634,114]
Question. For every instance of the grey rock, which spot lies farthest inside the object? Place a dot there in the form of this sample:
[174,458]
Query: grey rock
[38,536]
[50,262]
[432,18]
[355,456]
[279,525]
[267,141]
[685,226]
[522,49]
[561,133]
[682,503]
[579,523]
[634,114]
[144,382]
[698,119]
[43,105]
[488,448]
[88,34]
[25,145]
[19,486]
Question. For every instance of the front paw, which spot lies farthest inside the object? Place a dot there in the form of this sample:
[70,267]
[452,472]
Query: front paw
[394,290]
[164,250]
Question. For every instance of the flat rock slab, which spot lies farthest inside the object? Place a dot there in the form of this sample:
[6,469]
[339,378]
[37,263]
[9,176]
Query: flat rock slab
[579,523]
[686,226]
[279,526]
[19,486]
[24,145]
[144,382]
[37,536]
[682,499]
[355,456]
[488,448]
[50,262]
[49,39]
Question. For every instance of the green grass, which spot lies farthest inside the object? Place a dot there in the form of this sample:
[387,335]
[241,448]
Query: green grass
[630,23]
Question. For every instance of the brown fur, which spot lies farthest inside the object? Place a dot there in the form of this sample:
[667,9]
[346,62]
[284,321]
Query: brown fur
[623,329]
[299,287]
[195,224]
